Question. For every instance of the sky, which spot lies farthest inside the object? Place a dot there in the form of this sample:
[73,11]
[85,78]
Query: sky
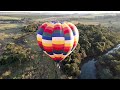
[71,12]
[67,12]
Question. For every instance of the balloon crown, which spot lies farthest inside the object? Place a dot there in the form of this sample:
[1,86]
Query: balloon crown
[54,22]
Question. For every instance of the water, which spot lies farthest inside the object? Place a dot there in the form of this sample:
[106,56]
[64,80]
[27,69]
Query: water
[88,70]
[113,50]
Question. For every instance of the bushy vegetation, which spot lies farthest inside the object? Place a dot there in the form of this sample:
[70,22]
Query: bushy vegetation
[96,39]
[14,53]
[108,66]
[70,65]
[31,27]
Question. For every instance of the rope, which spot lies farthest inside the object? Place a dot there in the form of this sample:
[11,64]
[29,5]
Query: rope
[57,70]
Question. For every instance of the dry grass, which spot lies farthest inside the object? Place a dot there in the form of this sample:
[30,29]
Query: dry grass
[11,35]
[7,26]
[9,18]
[85,22]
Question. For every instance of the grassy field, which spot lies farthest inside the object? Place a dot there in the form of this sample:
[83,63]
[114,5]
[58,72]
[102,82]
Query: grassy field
[9,18]
[8,26]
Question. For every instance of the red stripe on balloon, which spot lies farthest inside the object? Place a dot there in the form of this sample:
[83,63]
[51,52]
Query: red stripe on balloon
[40,44]
[47,49]
[66,30]
[43,26]
[67,49]
[72,27]
[57,27]
[58,47]
[75,44]
[57,59]
[54,59]
[49,30]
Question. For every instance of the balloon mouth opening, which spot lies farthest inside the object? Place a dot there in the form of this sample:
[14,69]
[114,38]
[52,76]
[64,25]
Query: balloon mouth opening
[57,61]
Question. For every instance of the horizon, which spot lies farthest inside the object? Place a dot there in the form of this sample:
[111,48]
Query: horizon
[62,12]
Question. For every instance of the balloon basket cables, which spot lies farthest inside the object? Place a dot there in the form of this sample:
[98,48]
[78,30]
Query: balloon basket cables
[57,64]
[57,70]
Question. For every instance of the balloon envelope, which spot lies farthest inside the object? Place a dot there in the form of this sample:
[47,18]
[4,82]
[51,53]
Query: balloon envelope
[57,39]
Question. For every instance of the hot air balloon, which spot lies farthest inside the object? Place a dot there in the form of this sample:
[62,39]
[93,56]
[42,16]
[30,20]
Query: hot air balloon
[57,39]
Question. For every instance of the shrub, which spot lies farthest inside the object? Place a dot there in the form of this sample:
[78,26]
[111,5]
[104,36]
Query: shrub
[32,27]
[13,53]
[71,64]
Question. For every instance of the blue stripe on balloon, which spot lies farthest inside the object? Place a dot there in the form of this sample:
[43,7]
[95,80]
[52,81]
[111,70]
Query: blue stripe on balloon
[57,52]
[54,22]
[40,31]
[68,38]
[46,37]
[64,53]
[50,53]
[74,33]
[60,34]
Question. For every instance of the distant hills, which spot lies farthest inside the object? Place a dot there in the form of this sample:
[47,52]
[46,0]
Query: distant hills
[73,15]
